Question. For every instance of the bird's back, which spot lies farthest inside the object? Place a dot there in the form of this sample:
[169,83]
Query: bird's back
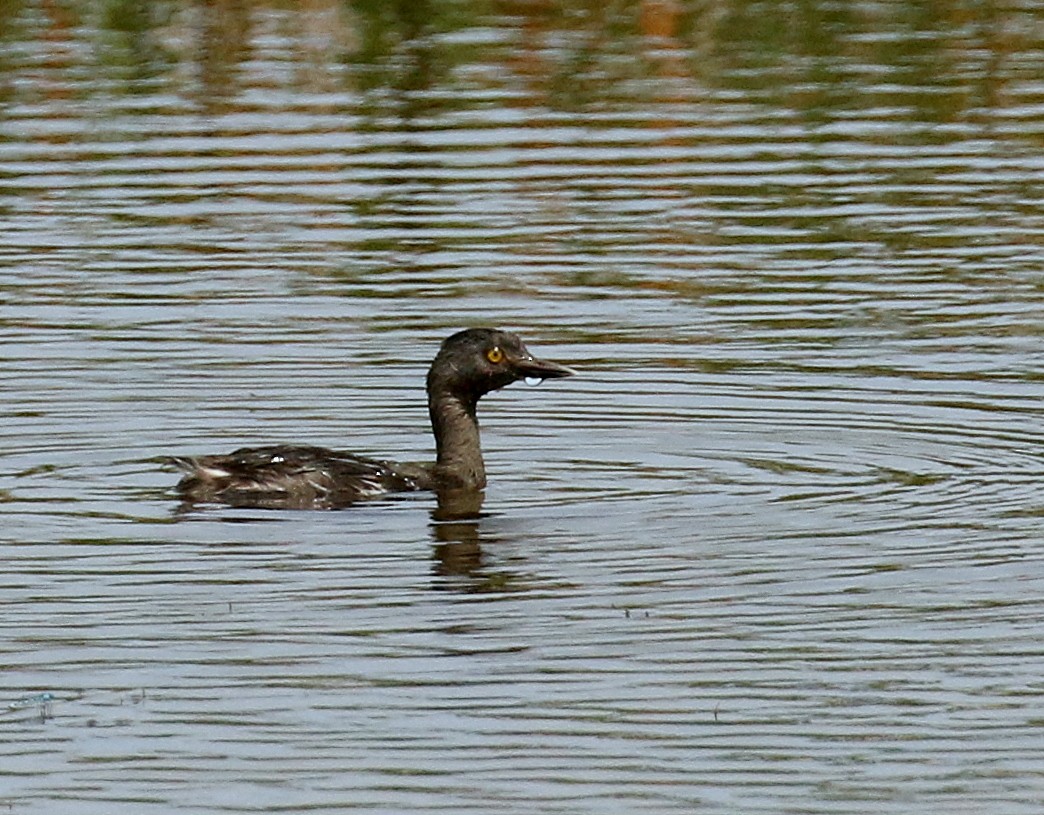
[293,476]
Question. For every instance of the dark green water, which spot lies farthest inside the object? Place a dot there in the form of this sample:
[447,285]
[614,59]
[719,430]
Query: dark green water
[779,548]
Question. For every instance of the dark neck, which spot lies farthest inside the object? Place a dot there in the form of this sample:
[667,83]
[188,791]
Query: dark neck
[458,463]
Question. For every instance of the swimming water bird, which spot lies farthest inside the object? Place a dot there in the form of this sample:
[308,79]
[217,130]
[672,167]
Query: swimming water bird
[470,364]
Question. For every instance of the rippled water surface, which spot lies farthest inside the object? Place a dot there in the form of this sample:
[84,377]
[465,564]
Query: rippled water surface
[777,548]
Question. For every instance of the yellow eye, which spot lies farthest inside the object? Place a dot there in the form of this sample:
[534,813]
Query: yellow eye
[495,355]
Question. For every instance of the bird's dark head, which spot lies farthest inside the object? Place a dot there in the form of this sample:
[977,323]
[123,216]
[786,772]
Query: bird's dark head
[473,362]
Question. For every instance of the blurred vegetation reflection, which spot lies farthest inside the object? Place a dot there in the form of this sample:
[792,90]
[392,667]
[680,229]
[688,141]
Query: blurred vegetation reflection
[939,62]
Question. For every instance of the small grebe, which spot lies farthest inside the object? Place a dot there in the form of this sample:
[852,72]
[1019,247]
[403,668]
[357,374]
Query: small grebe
[469,365]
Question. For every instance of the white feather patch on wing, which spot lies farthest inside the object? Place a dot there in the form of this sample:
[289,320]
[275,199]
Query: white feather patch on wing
[369,488]
[210,471]
[317,484]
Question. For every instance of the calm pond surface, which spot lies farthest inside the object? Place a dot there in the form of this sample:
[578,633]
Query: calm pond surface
[779,548]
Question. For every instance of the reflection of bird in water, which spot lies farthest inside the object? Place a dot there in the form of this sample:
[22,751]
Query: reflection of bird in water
[469,365]
[458,542]
[458,549]
[459,561]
